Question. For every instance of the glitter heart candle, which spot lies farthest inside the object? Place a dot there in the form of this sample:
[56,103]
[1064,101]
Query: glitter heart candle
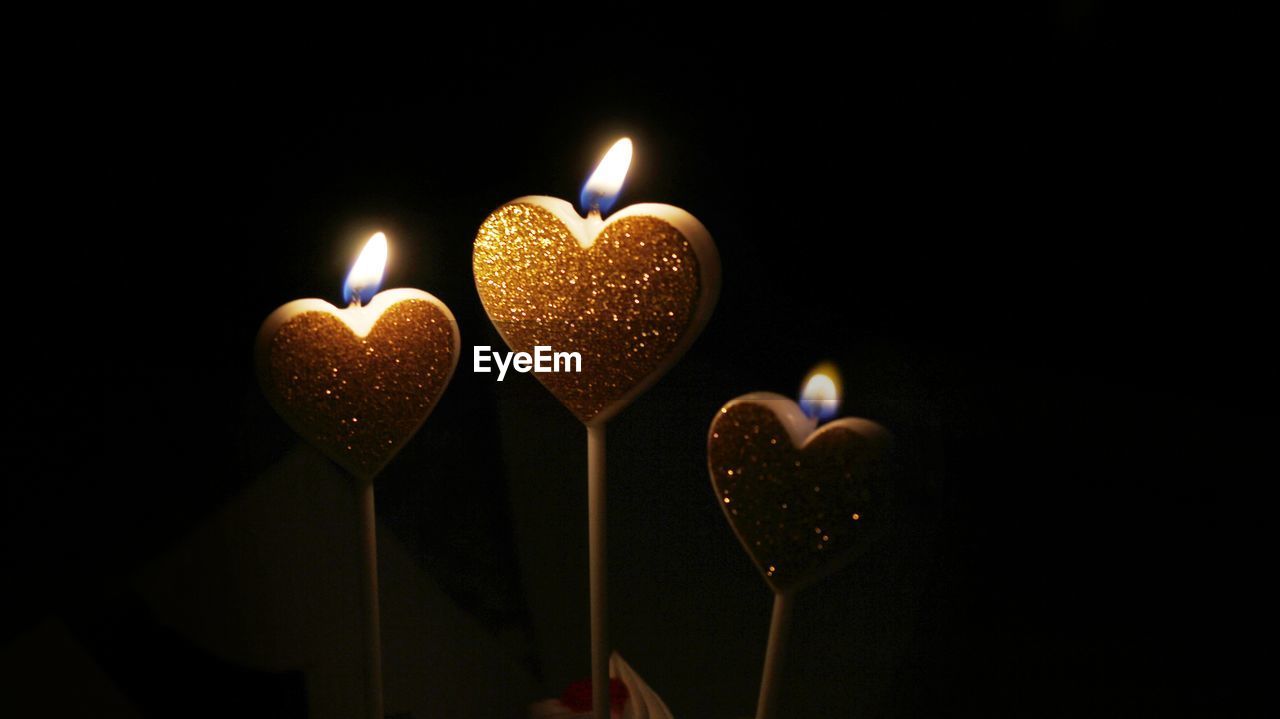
[802,498]
[357,383]
[629,292]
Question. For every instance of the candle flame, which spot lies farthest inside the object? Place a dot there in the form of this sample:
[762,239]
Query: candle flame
[366,274]
[602,188]
[820,394]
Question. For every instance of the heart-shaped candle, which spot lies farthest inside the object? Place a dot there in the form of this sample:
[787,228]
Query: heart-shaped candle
[800,498]
[358,382]
[629,293]
[626,295]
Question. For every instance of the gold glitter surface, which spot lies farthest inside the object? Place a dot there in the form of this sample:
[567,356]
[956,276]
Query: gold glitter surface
[800,513]
[359,400]
[623,303]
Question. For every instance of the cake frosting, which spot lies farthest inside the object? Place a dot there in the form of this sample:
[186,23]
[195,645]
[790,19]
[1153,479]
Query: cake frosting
[629,698]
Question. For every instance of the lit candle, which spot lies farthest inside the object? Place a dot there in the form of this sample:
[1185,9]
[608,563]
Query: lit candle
[628,291]
[357,383]
[800,495]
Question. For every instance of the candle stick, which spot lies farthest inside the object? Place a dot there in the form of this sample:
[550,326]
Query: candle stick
[357,383]
[801,498]
[629,293]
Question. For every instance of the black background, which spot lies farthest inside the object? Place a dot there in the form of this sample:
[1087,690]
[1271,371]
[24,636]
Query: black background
[1020,233]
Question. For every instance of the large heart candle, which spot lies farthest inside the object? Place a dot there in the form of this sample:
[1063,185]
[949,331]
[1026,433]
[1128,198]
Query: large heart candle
[357,383]
[628,292]
[802,498]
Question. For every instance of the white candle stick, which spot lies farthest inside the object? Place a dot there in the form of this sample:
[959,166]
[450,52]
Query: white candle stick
[368,527]
[598,572]
[629,291]
[358,389]
[770,678]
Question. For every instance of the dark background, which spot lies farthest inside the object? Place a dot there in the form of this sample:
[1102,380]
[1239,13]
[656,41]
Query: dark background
[1021,233]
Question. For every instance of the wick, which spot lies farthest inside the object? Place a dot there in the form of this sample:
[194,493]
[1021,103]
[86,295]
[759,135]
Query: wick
[813,411]
[355,299]
[591,203]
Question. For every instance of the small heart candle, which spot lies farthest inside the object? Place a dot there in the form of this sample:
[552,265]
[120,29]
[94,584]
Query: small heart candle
[801,498]
[357,383]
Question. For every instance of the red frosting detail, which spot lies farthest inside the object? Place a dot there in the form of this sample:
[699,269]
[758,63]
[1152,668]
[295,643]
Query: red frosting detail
[577,697]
